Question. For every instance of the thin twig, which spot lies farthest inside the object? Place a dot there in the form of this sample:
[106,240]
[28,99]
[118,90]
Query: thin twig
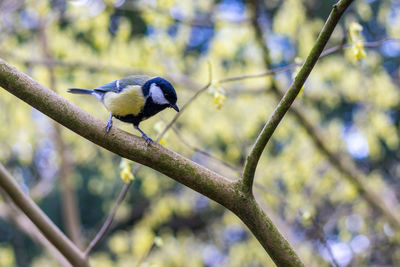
[260,75]
[366,44]
[324,242]
[202,151]
[326,52]
[289,97]
[107,223]
[250,91]
[189,102]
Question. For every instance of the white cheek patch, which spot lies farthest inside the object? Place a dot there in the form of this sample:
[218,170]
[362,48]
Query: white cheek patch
[157,95]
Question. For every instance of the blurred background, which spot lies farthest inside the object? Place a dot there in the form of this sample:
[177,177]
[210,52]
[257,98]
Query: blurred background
[351,99]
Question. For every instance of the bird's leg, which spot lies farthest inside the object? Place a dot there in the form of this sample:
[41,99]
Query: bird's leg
[109,123]
[144,136]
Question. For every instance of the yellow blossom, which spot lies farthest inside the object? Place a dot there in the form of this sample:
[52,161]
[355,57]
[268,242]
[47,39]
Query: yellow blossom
[219,95]
[358,50]
[356,38]
[126,172]
[219,99]
[354,31]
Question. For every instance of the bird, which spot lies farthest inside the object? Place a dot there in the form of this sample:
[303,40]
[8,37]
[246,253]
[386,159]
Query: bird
[133,99]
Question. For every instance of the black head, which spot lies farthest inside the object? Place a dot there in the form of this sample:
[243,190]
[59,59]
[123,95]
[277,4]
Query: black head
[161,92]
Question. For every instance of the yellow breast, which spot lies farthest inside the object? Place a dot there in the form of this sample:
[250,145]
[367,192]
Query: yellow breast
[129,101]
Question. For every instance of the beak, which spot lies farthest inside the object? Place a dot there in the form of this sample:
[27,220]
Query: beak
[175,107]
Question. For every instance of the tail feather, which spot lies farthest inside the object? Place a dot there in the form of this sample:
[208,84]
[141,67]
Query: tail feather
[80,91]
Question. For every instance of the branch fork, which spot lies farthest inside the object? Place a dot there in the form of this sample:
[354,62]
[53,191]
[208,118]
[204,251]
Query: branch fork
[290,95]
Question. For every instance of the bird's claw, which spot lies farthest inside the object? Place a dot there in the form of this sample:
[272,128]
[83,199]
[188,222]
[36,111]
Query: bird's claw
[147,139]
[108,126]
[144,136]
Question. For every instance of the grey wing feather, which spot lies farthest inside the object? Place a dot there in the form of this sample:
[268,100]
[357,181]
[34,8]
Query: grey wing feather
[108,87]
[118,85]
[133,80]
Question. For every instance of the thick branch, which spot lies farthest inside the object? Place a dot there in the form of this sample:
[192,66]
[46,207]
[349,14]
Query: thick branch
[291,94]
[36,215]
[250,212]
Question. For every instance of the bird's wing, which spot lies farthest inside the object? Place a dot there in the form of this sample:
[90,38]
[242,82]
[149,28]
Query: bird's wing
[133,80]
[119,85]
[108,87]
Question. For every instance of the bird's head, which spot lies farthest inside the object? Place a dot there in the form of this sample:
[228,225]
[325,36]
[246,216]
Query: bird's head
[161,92]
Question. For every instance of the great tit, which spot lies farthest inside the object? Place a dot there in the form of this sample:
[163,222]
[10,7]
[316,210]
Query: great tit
[133,99]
